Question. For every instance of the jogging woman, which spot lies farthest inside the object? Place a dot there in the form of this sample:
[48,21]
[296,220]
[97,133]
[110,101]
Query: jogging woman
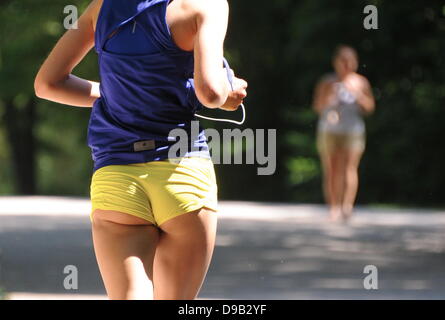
[341,100]
[160,61]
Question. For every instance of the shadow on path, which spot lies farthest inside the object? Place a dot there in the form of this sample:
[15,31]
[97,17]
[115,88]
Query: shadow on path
[264,251]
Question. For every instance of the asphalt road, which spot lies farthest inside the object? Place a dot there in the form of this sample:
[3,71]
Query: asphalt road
[264,251]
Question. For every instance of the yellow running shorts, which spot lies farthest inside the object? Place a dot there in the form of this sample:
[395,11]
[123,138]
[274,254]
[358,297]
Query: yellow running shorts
[156,191]
[327,142]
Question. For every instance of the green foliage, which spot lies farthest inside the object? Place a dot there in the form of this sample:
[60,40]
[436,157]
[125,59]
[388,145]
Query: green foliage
[404,60]
[29,29]
[282,48]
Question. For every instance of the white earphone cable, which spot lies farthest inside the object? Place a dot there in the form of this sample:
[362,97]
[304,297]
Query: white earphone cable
[226,120]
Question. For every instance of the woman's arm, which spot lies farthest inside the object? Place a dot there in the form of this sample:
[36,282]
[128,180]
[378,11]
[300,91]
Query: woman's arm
[366,99]
[211,84]
[321,91]
[54,80]
[362,89]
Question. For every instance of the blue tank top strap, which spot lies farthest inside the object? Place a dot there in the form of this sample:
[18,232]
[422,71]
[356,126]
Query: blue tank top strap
[116,13]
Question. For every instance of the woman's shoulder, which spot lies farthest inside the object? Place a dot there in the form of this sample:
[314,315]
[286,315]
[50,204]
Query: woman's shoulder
[326,81]
[201,7]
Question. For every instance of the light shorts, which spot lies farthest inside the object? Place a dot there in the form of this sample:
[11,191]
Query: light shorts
[328,142]
[156,191]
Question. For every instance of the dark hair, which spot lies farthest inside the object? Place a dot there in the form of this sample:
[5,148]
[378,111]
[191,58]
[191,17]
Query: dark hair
[342,47]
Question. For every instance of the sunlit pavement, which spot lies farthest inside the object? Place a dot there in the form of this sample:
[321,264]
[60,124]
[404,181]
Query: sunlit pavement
[264,251]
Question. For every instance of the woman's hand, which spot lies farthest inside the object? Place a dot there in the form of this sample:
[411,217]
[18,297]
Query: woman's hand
[324,95]
[361,88]
[236,97]
[354,83]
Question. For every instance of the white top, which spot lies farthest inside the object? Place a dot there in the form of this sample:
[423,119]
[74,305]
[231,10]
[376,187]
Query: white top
[344,115]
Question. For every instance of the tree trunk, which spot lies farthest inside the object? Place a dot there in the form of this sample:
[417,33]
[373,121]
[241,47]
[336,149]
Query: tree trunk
[19,124]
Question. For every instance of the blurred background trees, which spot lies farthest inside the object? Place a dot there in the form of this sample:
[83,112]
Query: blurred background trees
[282,48]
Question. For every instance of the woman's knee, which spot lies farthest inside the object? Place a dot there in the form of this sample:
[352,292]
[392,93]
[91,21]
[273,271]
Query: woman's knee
[352,174]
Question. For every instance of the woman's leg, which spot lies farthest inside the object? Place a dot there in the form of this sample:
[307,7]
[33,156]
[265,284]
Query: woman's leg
[183,255]
[125,247]
[337,182]
[333,181]
[327,177]
[353,158]
[327,145]
[329,184]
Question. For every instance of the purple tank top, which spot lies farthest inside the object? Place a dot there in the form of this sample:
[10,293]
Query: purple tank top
[145,93]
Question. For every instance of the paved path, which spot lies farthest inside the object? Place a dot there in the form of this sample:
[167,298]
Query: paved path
[264,251]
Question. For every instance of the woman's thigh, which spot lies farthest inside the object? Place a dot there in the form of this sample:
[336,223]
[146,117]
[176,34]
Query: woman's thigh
[183,254]
[353,158]
[125,246]
[354,148]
